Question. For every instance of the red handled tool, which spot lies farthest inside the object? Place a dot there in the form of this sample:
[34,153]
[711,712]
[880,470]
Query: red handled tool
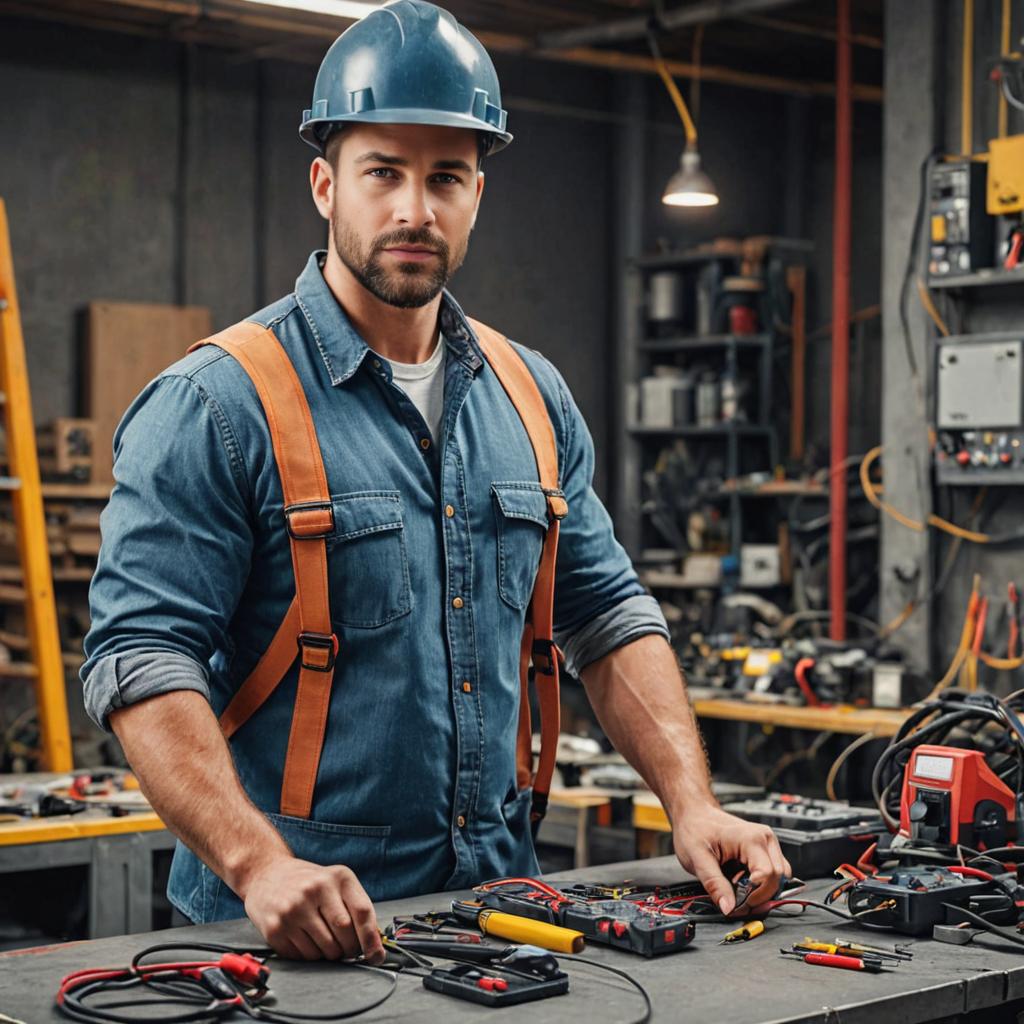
[871,964]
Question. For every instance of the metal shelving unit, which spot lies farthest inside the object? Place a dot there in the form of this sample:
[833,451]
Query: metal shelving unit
[725,347]
[989,278]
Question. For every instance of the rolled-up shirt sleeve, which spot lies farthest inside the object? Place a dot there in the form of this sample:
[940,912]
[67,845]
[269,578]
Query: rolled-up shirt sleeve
[176,549]
[600,603]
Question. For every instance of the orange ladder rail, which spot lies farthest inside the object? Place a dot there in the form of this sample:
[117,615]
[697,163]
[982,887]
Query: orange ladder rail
[30,523]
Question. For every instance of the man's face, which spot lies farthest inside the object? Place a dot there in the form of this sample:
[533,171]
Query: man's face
[402,205]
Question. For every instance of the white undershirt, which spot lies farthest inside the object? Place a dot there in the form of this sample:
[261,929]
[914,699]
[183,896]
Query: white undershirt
[424,384]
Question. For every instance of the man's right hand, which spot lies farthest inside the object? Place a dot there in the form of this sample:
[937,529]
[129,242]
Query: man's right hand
[308,912]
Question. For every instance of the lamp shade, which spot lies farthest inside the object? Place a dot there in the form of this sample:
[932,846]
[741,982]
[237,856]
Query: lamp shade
[690,186]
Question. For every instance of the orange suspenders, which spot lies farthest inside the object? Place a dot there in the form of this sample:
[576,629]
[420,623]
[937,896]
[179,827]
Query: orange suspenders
[306,629]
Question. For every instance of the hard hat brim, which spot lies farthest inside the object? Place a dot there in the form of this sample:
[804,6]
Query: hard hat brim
[443,119]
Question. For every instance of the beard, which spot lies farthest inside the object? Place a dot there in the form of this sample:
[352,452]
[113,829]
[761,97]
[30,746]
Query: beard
[404,285]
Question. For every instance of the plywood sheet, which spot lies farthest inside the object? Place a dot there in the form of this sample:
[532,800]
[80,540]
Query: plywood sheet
[126,346]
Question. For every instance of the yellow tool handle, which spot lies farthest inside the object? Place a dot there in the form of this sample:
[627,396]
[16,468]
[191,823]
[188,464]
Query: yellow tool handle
[745,932]
[820,947]
[534,933]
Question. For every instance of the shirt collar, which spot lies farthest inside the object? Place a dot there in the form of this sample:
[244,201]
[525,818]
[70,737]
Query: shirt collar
[339,343]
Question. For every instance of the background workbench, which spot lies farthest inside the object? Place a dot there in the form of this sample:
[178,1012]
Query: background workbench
[741,984]
[117,854]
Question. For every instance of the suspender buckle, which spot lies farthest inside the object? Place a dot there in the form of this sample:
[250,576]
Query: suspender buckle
[317,651]
[544,653]
[309,520]
[558,507]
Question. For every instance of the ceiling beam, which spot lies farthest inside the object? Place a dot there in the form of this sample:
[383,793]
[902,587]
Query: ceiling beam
[625,29]
[802,28]
[229,14]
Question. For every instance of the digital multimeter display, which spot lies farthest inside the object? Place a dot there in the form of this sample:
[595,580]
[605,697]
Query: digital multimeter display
[928,766]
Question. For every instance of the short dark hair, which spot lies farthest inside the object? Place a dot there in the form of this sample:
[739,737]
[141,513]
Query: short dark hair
[331,142]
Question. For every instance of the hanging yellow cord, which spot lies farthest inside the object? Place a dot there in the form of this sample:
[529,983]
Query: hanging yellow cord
[1004,49]
[871,493]
[967,83]
[963,648]
[930,309]
[677,99]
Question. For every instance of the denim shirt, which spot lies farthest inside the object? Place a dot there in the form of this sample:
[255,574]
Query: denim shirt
[416,789]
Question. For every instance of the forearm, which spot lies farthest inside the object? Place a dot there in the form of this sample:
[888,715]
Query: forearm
[639,696]
[175,747]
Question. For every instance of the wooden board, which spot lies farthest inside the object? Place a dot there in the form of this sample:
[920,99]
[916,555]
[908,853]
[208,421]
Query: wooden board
[126,346]
[86,825]
[842,718]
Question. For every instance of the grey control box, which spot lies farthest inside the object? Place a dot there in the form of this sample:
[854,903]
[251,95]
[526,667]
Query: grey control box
[980,409]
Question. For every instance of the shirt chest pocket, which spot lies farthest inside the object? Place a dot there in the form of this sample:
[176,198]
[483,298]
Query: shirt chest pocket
[367,560]
[520,509]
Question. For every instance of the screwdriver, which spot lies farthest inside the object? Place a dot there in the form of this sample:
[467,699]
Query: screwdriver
[847,963]
[841,949]
[857,948]
[746,932]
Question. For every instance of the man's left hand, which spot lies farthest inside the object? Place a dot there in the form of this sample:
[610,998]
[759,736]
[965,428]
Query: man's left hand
[705,838]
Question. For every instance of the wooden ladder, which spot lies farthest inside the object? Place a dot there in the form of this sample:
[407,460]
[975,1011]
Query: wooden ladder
[46,668]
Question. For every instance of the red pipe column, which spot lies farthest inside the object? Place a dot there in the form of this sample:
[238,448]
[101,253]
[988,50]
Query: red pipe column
[840,323]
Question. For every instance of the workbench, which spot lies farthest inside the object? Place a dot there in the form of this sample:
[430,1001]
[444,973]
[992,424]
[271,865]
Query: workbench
[748,983]
[117,851]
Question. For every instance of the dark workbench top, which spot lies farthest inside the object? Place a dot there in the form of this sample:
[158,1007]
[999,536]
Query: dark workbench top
[747,983]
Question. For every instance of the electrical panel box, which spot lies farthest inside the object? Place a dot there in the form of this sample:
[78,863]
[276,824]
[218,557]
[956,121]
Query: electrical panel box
[760,565]
[980,409]
[960,238]
[1005,175]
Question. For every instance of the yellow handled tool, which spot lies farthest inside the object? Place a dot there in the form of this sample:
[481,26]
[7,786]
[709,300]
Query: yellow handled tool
[811,946]
[533,933]
[744,933]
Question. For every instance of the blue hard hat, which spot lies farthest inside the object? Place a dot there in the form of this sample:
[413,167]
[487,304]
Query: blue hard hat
[408,62]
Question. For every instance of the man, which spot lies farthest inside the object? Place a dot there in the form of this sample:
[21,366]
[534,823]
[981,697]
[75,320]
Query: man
[436,527]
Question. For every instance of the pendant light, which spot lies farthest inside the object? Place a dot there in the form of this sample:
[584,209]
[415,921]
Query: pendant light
[689,186]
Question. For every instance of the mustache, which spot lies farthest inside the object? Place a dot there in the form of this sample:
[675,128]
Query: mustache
[410,236]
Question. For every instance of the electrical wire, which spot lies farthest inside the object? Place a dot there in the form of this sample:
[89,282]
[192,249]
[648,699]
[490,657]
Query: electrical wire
[673,91]
[695,57]
[988,926]
[786,626]
[967,81]
[795,757]
[184,983]
[648,1009]
[871,493]
[1004,85]
[929,307]
[837,764]
[944,576]
[963,646]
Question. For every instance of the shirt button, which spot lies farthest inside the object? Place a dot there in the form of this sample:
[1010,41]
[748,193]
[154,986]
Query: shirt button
[449,511]
[457,602]
[424,443]
[461,821]
[467,686]
[376,364]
